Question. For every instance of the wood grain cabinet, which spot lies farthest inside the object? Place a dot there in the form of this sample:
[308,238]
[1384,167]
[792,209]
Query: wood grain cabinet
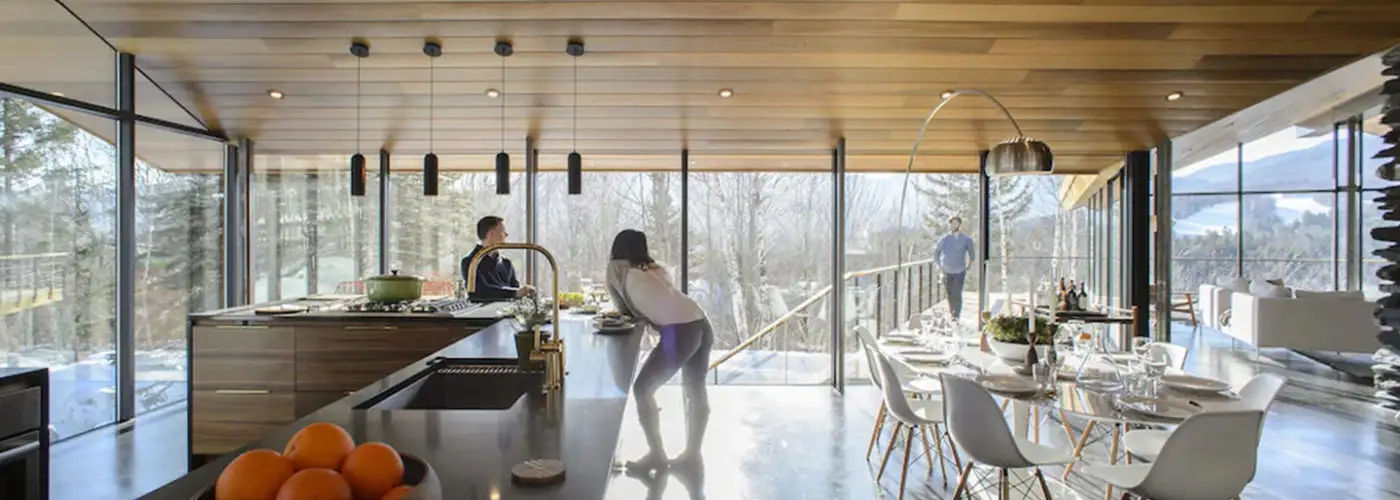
[250,379]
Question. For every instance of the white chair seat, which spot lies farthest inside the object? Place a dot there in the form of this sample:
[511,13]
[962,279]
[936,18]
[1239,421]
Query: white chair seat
[929,410]
[1122,476]
[1040,454]
[1146,443]
[923,385]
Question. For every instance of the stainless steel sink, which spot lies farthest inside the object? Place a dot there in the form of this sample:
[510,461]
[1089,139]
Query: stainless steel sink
[459,384]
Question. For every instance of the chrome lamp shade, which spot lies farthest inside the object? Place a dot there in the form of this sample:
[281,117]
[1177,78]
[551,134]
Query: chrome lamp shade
[1020,156]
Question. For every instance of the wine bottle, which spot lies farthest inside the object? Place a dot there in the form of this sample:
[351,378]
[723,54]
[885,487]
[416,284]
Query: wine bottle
[1072,298]
[1083,296]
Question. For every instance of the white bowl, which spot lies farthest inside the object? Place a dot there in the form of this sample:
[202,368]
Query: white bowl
[1013,352]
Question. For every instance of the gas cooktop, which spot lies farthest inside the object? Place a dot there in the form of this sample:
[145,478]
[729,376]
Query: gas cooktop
[438,307]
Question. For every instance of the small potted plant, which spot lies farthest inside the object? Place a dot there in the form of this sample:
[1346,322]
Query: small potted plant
[531,312]
[1009,338]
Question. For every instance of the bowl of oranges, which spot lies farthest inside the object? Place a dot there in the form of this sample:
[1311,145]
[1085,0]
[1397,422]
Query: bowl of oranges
[322,461]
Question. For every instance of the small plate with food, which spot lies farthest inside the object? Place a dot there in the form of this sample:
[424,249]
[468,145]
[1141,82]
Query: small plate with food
[613,322]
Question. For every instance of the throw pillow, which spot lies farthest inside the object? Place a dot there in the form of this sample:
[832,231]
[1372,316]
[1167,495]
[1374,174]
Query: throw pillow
[1235,284]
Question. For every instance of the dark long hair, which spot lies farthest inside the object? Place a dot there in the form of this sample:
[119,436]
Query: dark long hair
[631,245]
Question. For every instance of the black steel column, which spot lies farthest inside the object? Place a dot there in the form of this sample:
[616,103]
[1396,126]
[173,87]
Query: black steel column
[685,221]
[231,223]
[1137,223]
[384,204]
[984,228]
[126,237]
[1162,238]
[838,265]
[532,170]
[246,151]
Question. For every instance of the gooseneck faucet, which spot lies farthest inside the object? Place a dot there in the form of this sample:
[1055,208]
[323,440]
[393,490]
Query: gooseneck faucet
[551,352]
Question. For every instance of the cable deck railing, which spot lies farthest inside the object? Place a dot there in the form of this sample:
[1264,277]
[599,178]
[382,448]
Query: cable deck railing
[29,281]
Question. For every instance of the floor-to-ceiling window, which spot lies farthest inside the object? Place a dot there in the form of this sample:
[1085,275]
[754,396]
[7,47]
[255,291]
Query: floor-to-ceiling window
[579,229]
[179,255]
[1205,212]
[760,244]
[58,259]
[309,235]
[1288,211]
[430,235]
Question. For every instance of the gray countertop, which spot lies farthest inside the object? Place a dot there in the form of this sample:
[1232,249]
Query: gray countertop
[328,310]
[473,450]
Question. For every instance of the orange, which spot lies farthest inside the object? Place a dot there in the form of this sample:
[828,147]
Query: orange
[397,493]
[254,475]
[315,484]
[372,470]
[319,446]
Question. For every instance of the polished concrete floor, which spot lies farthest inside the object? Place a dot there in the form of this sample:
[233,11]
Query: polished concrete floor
[1323,440]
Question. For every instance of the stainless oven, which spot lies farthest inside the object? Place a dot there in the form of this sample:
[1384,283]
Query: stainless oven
[22,467]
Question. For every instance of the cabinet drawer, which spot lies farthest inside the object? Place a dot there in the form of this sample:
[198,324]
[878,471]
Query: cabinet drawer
[21,410]
[348,358]
[243,357]
[228,419]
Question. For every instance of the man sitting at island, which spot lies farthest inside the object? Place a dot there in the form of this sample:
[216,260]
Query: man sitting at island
[495,276]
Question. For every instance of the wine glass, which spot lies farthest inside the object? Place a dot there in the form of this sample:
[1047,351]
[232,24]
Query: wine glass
[1155,363]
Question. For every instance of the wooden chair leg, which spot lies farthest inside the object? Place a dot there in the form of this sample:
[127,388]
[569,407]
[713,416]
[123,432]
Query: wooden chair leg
[953,447]
[894,437]
[908,450]
[962,481]
[1003,486]
[1079,448]
[923,434]
[879,425]
[1113,458]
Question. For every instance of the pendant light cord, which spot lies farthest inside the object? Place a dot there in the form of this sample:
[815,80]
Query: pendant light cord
[432,94]
[575,103]
[358,83]
[503,104]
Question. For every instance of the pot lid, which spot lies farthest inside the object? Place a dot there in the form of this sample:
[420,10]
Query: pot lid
[393,277]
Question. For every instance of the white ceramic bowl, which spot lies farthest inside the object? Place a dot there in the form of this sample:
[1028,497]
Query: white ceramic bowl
[1013,352]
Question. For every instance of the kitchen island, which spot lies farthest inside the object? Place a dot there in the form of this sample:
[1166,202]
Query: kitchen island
[252,372]
[472,451]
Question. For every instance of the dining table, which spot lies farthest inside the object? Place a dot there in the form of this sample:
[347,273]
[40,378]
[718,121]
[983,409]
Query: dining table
[1069,399]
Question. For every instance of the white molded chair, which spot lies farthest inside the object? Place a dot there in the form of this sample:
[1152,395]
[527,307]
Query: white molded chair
[912,415]
[1176,353]
[1211,455]
[919,386]
[1256,395]
[979,429]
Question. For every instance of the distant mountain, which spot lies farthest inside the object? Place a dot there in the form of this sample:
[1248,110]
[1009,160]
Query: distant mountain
[1309,168]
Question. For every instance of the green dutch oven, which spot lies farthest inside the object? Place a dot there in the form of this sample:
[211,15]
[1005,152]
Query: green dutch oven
[393,288]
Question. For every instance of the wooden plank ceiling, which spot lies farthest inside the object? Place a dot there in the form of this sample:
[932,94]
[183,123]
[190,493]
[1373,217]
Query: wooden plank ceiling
[1087,76]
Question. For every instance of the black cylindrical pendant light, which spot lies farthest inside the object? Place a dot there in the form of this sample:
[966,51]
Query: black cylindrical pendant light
[357,161]
[575,173]
[357,175]
[430,161]
[503,49]
[502,173]
[575,49]
[430,175]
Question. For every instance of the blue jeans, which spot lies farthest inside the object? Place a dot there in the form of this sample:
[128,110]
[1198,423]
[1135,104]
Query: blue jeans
[953,284]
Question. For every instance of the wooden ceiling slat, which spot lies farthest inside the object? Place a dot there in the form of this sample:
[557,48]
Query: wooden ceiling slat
[1086,75]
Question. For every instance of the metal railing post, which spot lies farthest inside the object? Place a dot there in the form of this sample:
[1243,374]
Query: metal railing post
[879,306]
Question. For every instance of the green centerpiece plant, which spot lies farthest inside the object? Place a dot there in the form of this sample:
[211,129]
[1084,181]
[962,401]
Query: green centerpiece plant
[1012,329]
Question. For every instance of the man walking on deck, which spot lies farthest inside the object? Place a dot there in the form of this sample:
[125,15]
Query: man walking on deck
[952,254]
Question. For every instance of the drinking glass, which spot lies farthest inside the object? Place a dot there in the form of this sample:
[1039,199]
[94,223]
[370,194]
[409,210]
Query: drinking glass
[1044,375]
[1155,363]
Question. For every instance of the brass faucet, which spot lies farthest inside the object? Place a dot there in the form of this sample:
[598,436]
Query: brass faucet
[551,352]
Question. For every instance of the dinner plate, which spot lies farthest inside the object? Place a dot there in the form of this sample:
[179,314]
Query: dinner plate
[1173,409]
[625,326]
[928,357]
[1192,383]
[898,341]
[1009,384]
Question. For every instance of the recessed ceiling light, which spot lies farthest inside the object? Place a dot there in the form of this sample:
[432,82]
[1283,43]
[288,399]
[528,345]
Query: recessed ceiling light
[726,93]
[1174,96]
[946,94]
[60,94]
[493,93]
[275,94]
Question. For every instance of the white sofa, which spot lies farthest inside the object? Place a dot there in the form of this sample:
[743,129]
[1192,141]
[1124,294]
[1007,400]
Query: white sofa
[1213,300]
[1317,321]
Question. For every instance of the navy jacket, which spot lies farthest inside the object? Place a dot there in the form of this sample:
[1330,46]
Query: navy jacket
[495,277]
